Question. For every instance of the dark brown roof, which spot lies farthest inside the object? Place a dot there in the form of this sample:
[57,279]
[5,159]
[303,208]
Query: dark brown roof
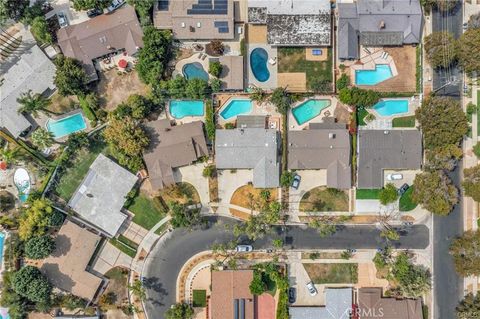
[228,286]
[171,147]
[101,35]
[372,306]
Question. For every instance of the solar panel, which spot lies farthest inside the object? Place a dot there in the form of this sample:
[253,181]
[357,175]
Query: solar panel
[207,7]
[162,5]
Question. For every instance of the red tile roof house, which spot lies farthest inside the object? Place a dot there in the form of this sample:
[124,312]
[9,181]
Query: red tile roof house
[101,36]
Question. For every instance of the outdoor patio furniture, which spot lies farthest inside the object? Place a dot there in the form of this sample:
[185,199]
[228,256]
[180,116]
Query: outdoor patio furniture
[327,113]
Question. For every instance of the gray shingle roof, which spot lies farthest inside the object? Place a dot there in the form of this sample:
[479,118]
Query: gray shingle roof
[380,150]
[322,148]
[250,148]
[101,195]
[379,23]
[33,71]
[338,304]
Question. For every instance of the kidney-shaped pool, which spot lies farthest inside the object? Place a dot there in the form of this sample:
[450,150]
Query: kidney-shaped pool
[258,64]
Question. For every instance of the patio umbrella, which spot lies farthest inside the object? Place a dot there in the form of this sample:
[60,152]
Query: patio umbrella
[122,63]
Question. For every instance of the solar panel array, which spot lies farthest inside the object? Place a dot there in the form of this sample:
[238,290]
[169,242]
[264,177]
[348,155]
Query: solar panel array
[162,5]
[222,26]
[209,7]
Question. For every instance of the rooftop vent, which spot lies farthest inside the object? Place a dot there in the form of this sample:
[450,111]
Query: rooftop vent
[331,147]
[183,24]
[382,24]
[385,132]
[199,24]
[331,136]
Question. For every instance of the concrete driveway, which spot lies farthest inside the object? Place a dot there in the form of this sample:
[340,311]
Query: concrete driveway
[193,174]
[298,278]
[310,179]
[65,6]
[407,177]
[229,182]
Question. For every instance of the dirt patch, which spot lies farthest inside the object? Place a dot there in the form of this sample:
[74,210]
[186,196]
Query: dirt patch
[341,113]
[116,293]
[239,214]
[294,82]
[115,88]
[322,199]
[183,53]
[344,273]
[184,193]
[257,34]
[323,255]
[247,196]
[62,104]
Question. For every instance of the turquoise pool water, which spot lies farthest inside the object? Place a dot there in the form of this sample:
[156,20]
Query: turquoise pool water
[67,125]
[309,110]
[258,64]
[194,71]
[236,107]
[381,73]
[181,108]
[391,107]
[2,240]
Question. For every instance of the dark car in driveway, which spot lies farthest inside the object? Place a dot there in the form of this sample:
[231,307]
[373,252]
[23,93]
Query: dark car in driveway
[403,189]
[296,181]
[292,295]
[94,12]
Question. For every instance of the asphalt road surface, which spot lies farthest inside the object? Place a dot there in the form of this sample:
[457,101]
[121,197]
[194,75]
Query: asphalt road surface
[167,258]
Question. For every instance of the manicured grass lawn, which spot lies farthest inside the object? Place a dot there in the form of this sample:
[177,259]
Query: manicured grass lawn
[292,60]
[322,199]
[405,121]
[406,203]
[74,174]
[344,273]
[199,298]
[368,193]
[361,114]
[148,212]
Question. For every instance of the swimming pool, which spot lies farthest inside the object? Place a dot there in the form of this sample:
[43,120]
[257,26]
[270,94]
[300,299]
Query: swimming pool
[181,108]
[67,125]
[309,110]
[4,312]
[194,71]
[391,107]
[258,64]
[21,179]
[236,107]
[381,73]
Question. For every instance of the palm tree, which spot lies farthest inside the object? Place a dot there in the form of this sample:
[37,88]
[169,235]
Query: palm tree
[32,103]
[9,155]
[138,290]
[42,139]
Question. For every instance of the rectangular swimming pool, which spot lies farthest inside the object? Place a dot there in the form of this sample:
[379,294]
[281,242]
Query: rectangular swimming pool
[182,108]
[381,73]
[67,125]
[391,107]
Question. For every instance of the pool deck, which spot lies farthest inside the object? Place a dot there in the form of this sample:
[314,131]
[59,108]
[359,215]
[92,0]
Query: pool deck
[271,83]
[368,61]
[292,122]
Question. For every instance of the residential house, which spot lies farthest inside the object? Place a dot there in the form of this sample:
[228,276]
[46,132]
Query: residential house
[100,197]
[338,305]
[250,148]
[32,71]
[377,23]
[293,22]
[196,19]
[231,297]
[390,149]
[322,146]
[101,36]
[67,267]
[172,147]
[371,305]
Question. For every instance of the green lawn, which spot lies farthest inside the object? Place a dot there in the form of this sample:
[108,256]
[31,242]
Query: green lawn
[404,121]
[361,114]
[291,59]
[344,273]
[199,298]
[478,115]
[74,174]
[124,246]
[368,193]
[322,199]
[148,212]
[406,203]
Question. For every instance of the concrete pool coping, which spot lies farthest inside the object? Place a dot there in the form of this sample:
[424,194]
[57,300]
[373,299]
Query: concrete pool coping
[292,122]
[185,119]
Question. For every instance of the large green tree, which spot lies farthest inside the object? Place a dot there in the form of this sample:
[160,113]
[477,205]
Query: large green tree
[16,304]
[35,219]
[388,194]
[90,4]
[442,121]
[443,157]
[358,97]
[31,284]
[469,307]
[179,311]
[143,8]
[440,49]
[183,216]
[42,138]
[465,251]
[41,31]
[39,247]
[136,106]
[155,54]
[471,182]
[32,103]
[70,77]
[281,99]
[413,280]
[435,192]
[468,51]
[12,9]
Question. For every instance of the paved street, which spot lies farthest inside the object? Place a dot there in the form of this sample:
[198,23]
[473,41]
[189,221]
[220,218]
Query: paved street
[167,258]
[448,286]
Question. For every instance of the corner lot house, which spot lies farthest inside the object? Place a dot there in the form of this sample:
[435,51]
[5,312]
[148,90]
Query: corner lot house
[338,303]
[33,71]
[196,19]
[294,22]
[322,146]
[101,195]
[66,267]
[250,148]
[377,23]
[372,305]
[379,150]
[172,147]
[101,36]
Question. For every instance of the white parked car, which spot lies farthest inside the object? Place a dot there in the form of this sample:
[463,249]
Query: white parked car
[62,19]
[244,248]
[394,177]
[311,289]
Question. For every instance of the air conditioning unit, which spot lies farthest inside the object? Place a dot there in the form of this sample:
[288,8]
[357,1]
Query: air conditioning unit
[183,24]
